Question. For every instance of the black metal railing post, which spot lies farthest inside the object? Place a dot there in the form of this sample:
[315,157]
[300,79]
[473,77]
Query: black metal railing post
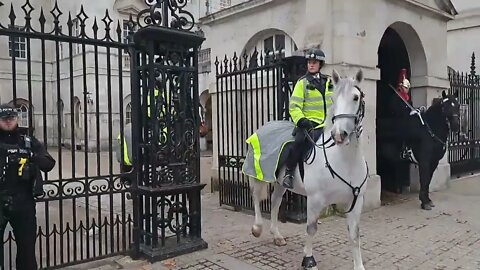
[471,98]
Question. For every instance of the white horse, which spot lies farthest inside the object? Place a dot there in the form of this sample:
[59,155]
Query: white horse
[336,176]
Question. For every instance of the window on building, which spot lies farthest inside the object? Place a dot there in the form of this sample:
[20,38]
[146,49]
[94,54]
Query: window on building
[77,111]
[204,61]
[17,46]
[128,113]
[23,115]
[127,31]
[274,47]
[269,46]
[77,47]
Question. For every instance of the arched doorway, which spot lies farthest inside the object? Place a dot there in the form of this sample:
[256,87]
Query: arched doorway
[399,48]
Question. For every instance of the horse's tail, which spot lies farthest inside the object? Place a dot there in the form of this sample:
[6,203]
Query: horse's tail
[258,188]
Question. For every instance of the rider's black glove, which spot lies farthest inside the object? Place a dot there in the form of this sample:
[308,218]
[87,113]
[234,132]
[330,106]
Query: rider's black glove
[306,124]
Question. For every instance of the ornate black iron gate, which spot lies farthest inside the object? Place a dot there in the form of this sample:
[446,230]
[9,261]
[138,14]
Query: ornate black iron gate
[70,76]
[166,134]
[464,148]
[252,90]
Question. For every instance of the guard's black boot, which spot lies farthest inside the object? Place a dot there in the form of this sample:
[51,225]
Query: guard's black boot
[288,179]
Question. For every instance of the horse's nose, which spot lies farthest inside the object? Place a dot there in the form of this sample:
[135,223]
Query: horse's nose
[339,136]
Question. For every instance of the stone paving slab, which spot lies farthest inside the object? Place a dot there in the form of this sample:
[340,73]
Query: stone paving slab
[395,236]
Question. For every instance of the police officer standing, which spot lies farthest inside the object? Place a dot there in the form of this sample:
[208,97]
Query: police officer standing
[307,109]
[21,159]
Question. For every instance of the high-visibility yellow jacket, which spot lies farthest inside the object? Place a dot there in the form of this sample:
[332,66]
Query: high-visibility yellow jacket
[308,103]
[127,141]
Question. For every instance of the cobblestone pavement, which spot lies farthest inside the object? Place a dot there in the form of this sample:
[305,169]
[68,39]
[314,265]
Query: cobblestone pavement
[395,236]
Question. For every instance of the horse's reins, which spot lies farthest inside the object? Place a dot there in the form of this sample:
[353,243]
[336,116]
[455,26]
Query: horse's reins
[417,112]
[358,118]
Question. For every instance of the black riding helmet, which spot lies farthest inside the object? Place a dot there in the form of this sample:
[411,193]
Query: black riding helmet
[316,54]
[7,111]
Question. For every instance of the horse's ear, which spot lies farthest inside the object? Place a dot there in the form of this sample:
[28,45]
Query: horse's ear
[359,76]
[456,94]
[444,95]
[335,76]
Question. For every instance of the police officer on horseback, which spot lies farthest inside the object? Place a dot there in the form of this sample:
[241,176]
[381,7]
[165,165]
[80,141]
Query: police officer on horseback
[308,103]
[21,159]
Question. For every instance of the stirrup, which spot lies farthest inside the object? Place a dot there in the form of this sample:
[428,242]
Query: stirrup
[288,179]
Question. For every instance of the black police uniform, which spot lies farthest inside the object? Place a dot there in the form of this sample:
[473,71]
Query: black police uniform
[21,159]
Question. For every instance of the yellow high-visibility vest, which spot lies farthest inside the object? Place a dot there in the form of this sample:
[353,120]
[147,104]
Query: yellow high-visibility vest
[306,103]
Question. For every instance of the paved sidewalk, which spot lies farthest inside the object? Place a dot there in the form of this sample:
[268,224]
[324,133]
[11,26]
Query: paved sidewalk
[395,236]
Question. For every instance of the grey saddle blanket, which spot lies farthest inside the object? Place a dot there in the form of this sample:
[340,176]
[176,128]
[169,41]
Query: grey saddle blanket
[265,150]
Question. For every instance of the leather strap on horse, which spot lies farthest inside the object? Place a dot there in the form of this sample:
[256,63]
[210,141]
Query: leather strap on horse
[420,117]
[417,112]
[355,190]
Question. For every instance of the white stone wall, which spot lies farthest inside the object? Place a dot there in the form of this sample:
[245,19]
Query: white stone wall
[463,39]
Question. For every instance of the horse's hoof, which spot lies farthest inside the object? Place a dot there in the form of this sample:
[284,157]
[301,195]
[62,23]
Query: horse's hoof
[359,268]
[280,242]
[256,230]
[431,204]
[426,206]
[309,263]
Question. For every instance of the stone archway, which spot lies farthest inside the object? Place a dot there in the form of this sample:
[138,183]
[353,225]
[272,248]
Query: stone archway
[400,47]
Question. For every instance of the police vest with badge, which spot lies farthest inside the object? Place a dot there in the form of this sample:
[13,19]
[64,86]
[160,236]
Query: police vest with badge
[18,171]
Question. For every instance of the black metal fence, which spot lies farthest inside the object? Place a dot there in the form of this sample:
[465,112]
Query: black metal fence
[251,90]
[464,148]
[70,76]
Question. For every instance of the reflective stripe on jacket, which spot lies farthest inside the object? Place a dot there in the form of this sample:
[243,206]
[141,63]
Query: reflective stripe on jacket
[127,146]
[309,103]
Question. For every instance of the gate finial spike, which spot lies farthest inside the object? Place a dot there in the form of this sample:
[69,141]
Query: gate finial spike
[472,67]
[42,21]
[119,31]
[12,16]
[95,28]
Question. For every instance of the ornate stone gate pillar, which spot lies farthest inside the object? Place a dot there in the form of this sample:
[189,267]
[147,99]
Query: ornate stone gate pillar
[165,132]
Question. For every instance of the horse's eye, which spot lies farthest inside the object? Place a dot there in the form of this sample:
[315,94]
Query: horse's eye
[355,98]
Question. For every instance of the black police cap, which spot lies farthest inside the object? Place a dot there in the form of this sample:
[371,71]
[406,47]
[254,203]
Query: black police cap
[8,111]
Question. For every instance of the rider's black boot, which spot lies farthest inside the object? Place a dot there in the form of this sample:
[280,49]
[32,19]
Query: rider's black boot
[288,179]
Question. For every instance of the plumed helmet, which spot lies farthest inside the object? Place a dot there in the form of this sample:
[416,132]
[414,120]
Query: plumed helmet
[406,83]
[316,54]
[402,78]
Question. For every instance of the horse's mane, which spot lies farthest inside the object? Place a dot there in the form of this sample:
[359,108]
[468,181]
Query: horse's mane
[436,103]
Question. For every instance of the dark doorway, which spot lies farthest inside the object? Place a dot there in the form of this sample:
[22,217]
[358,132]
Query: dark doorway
[392,57]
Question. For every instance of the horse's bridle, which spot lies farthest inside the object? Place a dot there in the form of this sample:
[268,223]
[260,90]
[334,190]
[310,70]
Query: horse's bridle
[358,116]
[446,117]
[433,135]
